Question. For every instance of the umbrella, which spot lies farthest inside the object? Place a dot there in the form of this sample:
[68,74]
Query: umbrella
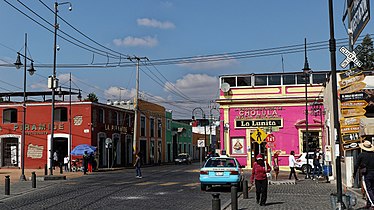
[80,149]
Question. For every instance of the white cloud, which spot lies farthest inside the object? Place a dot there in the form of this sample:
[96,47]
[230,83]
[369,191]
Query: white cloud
[211,62]
[155,23]
[195,85]
[136,41]
[116,93]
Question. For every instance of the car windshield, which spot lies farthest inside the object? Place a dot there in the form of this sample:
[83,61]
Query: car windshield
[220,163]
[182,156]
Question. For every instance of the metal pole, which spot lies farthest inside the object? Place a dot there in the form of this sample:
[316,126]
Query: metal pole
[245,189]
[306,70]
[234,197]
[53,91]
[33,179]
[7,185]
[332,48]
[70,130]
[216,202]
[23,177]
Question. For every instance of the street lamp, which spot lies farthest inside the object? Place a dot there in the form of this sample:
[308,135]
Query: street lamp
[213,146]
[338,143]
[53,83]
[31,71]
[193,118]
[306,71]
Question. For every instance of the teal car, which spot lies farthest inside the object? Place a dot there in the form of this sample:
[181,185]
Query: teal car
[221,171]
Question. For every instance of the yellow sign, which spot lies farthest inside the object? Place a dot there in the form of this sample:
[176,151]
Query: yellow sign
[354,104]
[350,129]
[353,88]
[259,135]
[350,121]
[351,80]
[353,112]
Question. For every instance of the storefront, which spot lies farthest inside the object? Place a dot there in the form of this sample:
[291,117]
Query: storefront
[250,111]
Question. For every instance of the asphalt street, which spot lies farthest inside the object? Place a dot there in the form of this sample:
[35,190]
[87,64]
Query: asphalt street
[162,187]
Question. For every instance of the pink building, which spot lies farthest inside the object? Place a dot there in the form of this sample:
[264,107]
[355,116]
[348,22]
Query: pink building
[254,105]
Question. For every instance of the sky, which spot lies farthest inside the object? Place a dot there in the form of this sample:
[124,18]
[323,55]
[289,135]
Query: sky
[183,46]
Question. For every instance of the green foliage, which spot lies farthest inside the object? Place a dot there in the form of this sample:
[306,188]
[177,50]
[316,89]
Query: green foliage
[366,56]
[92,97]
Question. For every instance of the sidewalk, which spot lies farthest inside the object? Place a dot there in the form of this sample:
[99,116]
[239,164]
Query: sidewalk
[291,194]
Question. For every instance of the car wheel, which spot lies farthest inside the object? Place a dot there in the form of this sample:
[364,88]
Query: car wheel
[304,169]
[203,187]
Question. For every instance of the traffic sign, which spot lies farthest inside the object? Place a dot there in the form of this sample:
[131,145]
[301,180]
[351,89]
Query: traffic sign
[259,135]
[350,57]
[201,143]
[270,138]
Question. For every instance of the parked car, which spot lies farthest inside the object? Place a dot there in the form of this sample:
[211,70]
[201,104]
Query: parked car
[221,171]
[301,162]
[183,158]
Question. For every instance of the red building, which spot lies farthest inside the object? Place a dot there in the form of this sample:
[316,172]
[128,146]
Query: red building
[87,122]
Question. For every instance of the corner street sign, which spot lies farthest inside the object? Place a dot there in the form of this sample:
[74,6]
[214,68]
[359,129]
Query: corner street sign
[350,73]
[350,57]
[354,104]
[351,80]
[353,88]
[270,138]
[360,16]
[201,143]
[359,111]
[259,135]
[353,96]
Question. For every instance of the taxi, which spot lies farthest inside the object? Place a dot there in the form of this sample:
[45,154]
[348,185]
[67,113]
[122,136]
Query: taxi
[221,171]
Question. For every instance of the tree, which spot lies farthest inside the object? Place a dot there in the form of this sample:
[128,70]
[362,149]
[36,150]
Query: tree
[366,56]
[92,97]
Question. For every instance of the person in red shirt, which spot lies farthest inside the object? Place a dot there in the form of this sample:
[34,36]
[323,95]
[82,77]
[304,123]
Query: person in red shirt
[260,179]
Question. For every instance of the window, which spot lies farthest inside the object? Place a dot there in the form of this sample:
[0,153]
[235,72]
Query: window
[128,120]
[115,118]
[274,79]
[10,116]
[301,79]
[152,127]
[94,117]
[261,80]
[289,79]
[168,124]
[142,126]
[122,119]
[159,128]
[101,116]
[244,81]
[61,114]
[319,78]
[110,118]
[230,80]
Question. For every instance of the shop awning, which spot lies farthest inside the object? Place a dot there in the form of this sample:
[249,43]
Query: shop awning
[366,126]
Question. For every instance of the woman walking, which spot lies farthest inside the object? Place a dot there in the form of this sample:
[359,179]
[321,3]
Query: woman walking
[276,164]
[291,163]
[259,170]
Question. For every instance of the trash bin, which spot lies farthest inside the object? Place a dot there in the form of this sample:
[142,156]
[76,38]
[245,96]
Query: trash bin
[348,199]
[327,170]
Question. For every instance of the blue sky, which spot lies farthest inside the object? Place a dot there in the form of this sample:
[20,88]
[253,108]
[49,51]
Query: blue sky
[159,29]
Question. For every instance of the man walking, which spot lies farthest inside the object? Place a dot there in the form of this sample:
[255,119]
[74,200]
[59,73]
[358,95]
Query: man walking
[137,164]
[316,164]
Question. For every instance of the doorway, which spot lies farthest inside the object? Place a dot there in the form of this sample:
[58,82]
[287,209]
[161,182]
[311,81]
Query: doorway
[10,152]
[60,145]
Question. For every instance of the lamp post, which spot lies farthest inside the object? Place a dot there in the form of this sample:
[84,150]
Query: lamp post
[332,48]
[193,118]
[210,126]
[53,83]
[31,71]
[306,71]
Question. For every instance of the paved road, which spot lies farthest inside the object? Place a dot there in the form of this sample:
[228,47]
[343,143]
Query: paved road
[162,187]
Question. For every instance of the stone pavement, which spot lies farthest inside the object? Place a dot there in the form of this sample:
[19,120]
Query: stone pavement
[18,187]
[294,195]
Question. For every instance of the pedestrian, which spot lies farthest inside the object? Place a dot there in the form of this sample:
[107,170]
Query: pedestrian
[276,164]
[365,164]
[259,170]
[291,164]
[66,163]
[85,162]
[90,161]
[55,159]
[316,164]
[138,164]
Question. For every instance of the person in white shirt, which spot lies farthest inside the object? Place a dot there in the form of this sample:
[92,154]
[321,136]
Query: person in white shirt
[66,163]
[291,164]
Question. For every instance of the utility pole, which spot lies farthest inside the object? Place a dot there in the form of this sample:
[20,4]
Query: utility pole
[136,106]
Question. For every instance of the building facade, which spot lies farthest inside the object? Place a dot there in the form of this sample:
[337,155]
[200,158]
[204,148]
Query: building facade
[75,123]
[253,105]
